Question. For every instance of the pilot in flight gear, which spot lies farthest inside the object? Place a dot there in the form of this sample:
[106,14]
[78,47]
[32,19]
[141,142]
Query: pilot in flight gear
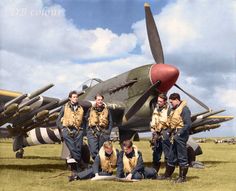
[130,163]
[70,122]
[104,164]
[180,123]
[160,131]
[99,125]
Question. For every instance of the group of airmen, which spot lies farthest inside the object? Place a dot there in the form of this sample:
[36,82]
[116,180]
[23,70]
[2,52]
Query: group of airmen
[170,131]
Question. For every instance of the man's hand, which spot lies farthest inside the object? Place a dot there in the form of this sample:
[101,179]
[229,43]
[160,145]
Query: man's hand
[129,176]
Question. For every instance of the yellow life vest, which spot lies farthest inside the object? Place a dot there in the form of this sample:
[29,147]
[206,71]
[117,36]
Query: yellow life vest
[159,119]
[98,118]
[175,118]
[72,118]
[130,163]
[108,164]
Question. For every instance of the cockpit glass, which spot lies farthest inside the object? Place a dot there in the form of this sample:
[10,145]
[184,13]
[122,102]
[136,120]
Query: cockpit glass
[89,83]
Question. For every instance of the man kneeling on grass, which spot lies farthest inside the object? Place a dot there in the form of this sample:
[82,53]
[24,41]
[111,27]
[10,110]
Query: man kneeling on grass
[130,164]
[104,163]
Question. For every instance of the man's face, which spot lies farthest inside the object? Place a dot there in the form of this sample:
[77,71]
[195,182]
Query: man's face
[174,102]
[99,101]
[74,98]
[127,150]
[108,150]
[161,102]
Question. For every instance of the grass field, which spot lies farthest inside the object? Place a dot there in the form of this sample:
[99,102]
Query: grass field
[42,169]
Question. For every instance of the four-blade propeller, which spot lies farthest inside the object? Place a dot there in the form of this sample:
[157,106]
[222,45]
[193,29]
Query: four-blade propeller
[157,53]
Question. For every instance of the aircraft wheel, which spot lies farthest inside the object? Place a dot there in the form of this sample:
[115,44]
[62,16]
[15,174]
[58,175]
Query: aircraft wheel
[85,153]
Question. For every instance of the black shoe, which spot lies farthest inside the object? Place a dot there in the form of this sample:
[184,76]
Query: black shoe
[163,177]
[180,180]
[182,174]
[72,178]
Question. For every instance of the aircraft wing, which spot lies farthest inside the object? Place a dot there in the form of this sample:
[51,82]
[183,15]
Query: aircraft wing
[208,120]
[24,112]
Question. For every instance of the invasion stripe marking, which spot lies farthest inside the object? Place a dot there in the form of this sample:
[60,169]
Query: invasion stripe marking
[34,139]
[39,136]
[45,136]
[54,135]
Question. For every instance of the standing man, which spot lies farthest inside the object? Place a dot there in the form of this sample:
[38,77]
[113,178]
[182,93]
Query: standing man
[130,163]
[160,131]
[70,122]
[99,125]
[180,123]
[104,164]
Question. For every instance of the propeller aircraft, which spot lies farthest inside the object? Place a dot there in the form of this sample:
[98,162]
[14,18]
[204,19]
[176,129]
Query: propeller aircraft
[30,118]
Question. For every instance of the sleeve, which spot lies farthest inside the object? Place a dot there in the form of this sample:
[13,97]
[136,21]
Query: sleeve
[96,164]
[120,166]
[110,121]
[140,165]
[58,122]
[152,122]
[86,116]
[85,104]
[186,116]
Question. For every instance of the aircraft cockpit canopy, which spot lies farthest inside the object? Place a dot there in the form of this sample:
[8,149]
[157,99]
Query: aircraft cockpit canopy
[90,83]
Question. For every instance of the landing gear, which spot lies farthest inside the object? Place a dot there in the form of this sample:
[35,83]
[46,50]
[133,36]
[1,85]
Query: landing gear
[20,153]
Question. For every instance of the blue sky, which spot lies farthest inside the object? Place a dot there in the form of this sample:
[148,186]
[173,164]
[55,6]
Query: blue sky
[117,15]
[68,42]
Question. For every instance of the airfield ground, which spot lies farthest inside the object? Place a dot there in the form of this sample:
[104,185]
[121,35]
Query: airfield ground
[41,169]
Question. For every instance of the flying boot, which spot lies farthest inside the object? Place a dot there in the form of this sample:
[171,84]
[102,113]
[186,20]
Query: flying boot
[74,172]
[157,167]
[183,170]
[167,175]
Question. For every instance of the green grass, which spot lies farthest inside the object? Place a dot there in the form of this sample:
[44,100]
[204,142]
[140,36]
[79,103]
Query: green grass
[42,169]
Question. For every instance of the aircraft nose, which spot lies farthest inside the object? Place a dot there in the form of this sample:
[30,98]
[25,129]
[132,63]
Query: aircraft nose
[166,73]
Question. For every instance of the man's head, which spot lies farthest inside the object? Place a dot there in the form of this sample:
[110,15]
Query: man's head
[127,146]
[174,99]
[108,147]
[99,100]
[161,100]
[73,97]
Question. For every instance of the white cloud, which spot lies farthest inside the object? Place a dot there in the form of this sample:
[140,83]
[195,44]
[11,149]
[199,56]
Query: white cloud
[227,97]
[33,30]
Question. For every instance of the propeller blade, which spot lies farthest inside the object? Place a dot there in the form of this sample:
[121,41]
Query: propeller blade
[153,36]
[139,103]
[194,98]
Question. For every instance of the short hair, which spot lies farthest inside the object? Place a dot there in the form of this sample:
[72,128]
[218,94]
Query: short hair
[174,96]
[98,95]
[107,144]
[127,143]
[163,96]
[72,92]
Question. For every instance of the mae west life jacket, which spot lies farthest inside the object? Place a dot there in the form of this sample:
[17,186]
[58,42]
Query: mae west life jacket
[130,163]
[108,164]
[97,118]
[160,119]
[175,119]
[72,118]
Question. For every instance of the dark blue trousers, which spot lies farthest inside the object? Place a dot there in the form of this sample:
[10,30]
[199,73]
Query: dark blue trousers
[157,151]
[161,145]
[89,173]
[166,142]
[74,141]
[178,150]
[95,141]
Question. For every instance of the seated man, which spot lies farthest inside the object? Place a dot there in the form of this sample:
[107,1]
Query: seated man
[130,163]
[104,163]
